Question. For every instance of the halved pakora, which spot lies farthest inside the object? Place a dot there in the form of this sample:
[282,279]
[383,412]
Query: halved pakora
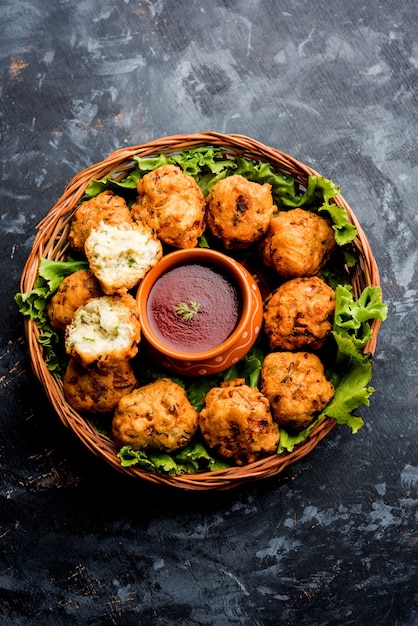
[104,331]
[105,207]
[73,291]
[120,254]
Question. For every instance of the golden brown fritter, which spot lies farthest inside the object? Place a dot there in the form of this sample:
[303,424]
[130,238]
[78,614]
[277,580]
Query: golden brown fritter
[120,254]
[298,243]
[299,314]
[107,207]
[97,390]
[172,204]
[104,331]
[73,292]
[239,211]
[236,422]
[157,416]
[296,386]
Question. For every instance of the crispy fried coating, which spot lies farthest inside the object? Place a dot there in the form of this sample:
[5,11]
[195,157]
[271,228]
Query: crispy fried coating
[237,423]
[120,254]
[299,314]
[107,207]
[239,211]
[97,390]
[298,243]
[73,292]
[172,204]
[104,331]
[157,416]
[295,385]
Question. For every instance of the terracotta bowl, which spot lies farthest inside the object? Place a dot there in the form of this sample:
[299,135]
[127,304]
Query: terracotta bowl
[230,350]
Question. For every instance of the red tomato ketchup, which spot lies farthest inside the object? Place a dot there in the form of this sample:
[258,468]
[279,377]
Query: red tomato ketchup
[193,308]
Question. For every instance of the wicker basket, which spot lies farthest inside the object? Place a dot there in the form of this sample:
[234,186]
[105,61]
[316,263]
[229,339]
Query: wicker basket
[51,242]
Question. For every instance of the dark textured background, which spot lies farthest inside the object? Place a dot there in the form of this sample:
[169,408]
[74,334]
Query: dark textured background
[334,539]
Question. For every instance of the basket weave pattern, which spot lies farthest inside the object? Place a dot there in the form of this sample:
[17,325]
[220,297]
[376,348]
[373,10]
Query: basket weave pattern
[51,242]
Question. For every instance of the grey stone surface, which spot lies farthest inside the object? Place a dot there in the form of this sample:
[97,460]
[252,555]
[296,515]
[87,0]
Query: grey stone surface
[334,539]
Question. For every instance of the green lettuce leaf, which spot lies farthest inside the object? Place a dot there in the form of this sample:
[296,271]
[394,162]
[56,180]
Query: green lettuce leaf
[350,378]
[53,272]
[320,191]
[345,231]
[128,184]
[130,457]
[249,367]
[285,192]
[190,460]
[352,371]
[197,388]
[206,164]
[283,188]
[289,440]
[32,304]
[198,161]
[195,456]
[50,274]
[351,319]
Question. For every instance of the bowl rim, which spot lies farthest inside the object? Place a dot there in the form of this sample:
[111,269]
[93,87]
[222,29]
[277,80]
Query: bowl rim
[182,257]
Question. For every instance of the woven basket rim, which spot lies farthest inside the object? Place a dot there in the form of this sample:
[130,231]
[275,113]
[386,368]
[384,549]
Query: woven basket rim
[50,242]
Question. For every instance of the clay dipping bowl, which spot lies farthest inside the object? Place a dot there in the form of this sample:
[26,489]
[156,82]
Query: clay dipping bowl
[217,358]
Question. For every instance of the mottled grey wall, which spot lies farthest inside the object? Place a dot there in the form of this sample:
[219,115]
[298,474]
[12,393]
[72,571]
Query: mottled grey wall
[332,541]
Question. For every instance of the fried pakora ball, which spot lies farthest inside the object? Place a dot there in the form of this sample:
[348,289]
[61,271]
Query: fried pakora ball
[107,207]
[120,254]
[97,390]
[73,292]
[298,243]
[299,314]
[237,423]
[104,331]
[172,204]
[157,416]
[239,211]
[296,386]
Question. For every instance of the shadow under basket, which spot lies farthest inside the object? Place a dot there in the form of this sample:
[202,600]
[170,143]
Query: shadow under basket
[51,242]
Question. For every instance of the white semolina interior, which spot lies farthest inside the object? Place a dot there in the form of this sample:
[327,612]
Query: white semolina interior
[100,326]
